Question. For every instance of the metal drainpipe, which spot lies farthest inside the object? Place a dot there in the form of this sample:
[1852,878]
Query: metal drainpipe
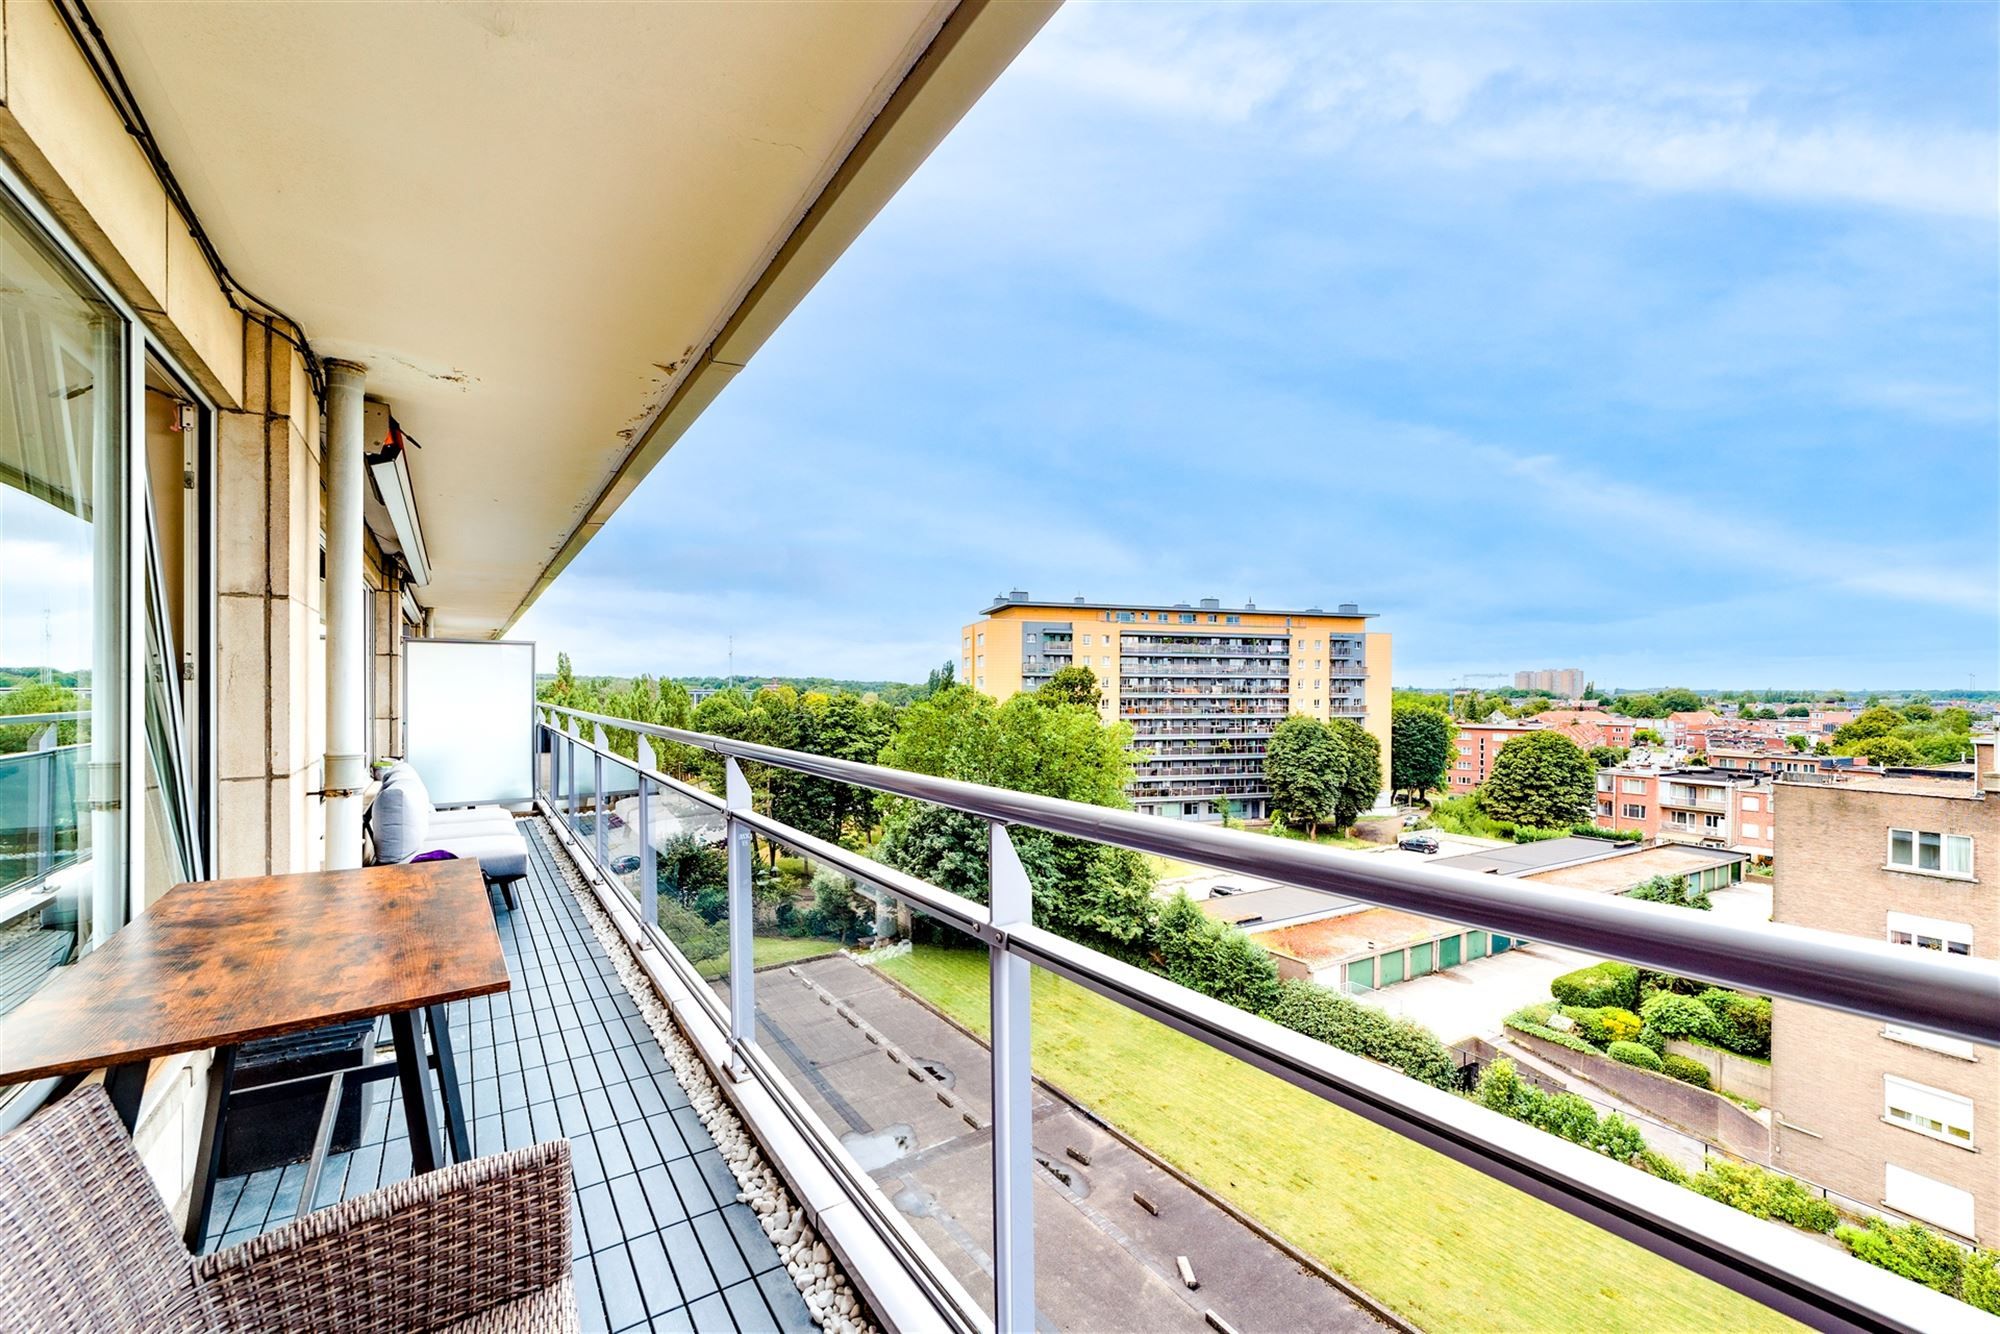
[346,607]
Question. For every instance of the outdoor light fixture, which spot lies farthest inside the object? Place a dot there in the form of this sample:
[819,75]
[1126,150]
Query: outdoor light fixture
[390,468]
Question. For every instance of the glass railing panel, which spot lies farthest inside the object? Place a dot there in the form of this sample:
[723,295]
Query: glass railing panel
[1152,1148]
[691,870]
[876,1013]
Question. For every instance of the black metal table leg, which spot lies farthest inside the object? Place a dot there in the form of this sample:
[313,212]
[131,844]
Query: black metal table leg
[408,1031]
[449,1092]
[208,1154]
[125,1085]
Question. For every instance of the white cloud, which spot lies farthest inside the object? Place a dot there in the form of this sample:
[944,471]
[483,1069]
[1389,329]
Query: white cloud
[1517,86]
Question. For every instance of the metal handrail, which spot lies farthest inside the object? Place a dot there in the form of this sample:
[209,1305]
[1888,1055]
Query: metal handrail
[40,719]
[1960,998]
[1790,1272]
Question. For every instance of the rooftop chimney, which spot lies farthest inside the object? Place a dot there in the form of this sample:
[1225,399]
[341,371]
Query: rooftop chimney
[1350,609]
[1017,595]
[1211,603]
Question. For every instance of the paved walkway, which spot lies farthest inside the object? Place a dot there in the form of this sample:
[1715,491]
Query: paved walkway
[660,1241]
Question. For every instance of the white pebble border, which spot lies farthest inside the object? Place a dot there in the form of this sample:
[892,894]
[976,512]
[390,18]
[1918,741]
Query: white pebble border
[829,1296]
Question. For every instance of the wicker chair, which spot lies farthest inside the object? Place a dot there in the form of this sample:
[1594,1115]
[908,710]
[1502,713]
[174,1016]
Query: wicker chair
[478,1248]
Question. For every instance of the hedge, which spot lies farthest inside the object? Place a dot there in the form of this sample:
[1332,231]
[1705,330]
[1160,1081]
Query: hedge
[1631,1053]
[1742,1021]
[1678,1016]
[1316,1012]
[1563,1114]
[1763,1194]
[1607,983]
[1917,1253]
[1686,1069]
[1214,957]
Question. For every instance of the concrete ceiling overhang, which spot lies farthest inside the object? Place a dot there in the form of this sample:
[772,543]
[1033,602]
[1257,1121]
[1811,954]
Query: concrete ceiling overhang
[551,232]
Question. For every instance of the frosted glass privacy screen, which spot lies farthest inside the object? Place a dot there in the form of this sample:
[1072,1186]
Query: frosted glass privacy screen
[470,722]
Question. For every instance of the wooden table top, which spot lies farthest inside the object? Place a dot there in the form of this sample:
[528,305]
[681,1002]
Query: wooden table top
[226,961]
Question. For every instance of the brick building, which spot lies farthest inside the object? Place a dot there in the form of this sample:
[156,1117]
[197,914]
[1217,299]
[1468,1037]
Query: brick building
[1892,1117]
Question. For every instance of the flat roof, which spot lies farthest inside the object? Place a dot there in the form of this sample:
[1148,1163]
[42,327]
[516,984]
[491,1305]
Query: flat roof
[1333,939]
[1521,858]
[1951,786]
[1615,875]
[1258,908]
[1082,604]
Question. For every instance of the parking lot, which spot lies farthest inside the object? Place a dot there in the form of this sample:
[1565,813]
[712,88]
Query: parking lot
[909,1095]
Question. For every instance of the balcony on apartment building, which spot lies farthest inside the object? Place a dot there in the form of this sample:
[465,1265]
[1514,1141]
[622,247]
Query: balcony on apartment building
[671,1012]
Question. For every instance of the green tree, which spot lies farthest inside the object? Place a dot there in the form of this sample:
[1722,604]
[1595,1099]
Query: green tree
[1677,699]
[1873,721]
[37,697]
[1074,684]
[1304,766]
[1607,757]
[1636,706]
[1646,736]
[1089,892]
[1540,779]
[940,677]
[1798,741]
[1421,747]
[1361,770]
[1884,750]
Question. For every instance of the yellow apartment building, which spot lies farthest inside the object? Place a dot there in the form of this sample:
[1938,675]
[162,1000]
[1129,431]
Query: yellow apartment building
[1201,684]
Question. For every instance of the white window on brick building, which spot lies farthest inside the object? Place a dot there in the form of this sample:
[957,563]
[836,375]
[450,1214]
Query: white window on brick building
[1750,829]
[1927,850]
[1927,1110]
[1933,1201]
[1635,785]
[1930,933]
[1633,812]
[1751,804]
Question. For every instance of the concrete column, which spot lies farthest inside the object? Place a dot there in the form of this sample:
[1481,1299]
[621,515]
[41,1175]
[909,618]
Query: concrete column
[346,613]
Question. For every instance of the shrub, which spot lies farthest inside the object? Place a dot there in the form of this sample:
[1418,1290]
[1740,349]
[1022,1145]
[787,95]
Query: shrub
[1214,958]
[1315,1012]
[1916,1252]
[1763,1194]
[1605,1025]
[1981,1285]
[1631,1053]
[1661,1166]
[1654,1038]
[832,914]
[1534,1021]
[1742,1021]
[1685,1069]
[1671,889]
[1678,1016]
[1502,1090]
[1607,983]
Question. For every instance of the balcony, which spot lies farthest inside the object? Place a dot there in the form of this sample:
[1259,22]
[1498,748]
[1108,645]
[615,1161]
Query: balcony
[658,1232]
[991,1195]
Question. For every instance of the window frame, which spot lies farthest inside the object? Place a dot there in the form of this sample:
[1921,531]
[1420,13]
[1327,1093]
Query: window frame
[1946,841]
[1919,1124]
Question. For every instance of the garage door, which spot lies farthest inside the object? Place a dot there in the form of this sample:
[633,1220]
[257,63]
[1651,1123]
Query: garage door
[1475,945]
[1420,960]
[1448,949]
[1392,967]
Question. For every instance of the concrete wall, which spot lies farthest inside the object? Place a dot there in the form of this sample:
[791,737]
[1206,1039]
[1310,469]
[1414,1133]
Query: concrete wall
[1707,1116]
[1738,1074]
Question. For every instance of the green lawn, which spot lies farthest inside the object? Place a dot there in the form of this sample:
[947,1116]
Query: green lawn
[768,950]
[1443,1245]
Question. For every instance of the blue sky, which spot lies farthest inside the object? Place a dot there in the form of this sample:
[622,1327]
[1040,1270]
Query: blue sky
[1660,342]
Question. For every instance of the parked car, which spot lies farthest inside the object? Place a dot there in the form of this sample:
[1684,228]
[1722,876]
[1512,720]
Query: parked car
[1223,891]
[625,865]
[1417,843]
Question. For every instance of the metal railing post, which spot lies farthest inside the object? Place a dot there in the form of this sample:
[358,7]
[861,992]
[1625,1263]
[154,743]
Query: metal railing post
[742,852]
[649,861]
[600,820]
[1010,898]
